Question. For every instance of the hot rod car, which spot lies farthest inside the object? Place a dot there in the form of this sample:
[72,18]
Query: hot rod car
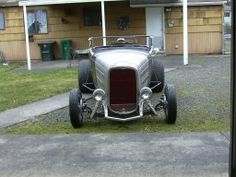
[122,77]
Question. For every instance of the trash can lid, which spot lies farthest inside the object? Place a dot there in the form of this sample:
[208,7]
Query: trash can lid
[46,42]
[66,40]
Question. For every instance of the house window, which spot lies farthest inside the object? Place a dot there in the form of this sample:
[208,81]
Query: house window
[92,16]
[37,22]
[2,21]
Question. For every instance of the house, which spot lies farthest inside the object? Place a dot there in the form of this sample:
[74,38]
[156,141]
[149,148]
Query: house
[79,19]
[205,24]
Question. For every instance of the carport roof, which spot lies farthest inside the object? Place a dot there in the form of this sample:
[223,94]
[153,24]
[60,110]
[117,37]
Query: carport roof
[145,3]
[133,3]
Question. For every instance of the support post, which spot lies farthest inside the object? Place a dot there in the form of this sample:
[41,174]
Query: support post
[185,31]
[27,38]
[103,23]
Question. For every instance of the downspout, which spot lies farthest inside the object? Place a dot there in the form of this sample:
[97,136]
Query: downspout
[27,38]
[185,31]
[103,23]
[223,31]
[164,30]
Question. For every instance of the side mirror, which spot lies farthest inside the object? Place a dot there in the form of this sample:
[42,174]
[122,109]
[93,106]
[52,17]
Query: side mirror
[155,51]
[90,40]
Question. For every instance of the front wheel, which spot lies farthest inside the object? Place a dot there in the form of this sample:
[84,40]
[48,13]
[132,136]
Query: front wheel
[85,76]
[171,104]
[75,108]
[158,75]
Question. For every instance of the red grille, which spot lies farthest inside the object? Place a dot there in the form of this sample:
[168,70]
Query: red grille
[123,90]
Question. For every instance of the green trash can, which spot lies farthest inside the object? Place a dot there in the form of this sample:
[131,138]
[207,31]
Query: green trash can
[46,50]
[66,49]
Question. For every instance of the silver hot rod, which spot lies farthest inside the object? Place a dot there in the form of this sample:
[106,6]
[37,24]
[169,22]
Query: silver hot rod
[122,76]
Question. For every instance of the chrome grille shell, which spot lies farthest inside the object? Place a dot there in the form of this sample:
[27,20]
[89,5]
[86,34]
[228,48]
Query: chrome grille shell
[136,58]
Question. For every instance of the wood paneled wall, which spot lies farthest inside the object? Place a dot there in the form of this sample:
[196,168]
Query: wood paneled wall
[136,16]
[205,29]
[14,28]
[199,43]
[12,38]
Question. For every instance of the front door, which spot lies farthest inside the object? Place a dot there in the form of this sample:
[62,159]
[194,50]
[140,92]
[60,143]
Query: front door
[154,26]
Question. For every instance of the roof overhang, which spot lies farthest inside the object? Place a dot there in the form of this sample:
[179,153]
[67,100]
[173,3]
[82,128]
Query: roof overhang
[167,3]
[8,3]
[54,2]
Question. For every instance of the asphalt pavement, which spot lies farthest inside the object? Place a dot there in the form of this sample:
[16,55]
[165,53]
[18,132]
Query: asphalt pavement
[115,155]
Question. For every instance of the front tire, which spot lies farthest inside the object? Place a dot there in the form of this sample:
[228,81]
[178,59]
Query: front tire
[158,75]
[171,106]
[85,76]
[75,108]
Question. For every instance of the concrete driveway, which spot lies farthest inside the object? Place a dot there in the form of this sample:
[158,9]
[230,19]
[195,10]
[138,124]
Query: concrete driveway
[115,155]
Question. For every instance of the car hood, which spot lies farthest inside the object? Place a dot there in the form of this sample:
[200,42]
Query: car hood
[121,58]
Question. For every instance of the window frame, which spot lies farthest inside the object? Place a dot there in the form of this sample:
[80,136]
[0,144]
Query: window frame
[34,11]
[4,24]
[93,10]
[227,14]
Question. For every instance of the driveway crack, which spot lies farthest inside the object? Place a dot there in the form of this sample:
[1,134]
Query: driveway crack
[223,134]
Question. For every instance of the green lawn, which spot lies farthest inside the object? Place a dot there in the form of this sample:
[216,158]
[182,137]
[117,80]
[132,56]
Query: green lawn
[22,87]
[198,118]
[196,122]
[204,110]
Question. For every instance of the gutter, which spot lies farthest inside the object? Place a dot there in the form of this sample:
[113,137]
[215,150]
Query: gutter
[54,2]
[13,4]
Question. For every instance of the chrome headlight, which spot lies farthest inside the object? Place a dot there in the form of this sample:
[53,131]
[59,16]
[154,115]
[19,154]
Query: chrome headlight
[146,93]
[98,94]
